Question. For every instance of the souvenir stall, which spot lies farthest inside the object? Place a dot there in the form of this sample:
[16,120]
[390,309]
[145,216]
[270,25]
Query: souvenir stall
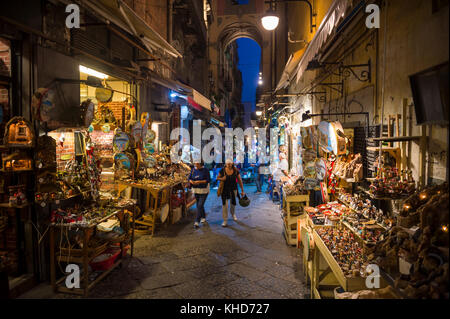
[80,223]
[352,235]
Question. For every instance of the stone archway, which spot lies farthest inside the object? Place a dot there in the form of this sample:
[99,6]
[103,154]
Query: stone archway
[238,30]
[226,28]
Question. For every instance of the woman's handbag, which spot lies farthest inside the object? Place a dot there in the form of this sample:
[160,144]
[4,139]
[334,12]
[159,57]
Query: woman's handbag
[220,189]
[244,201]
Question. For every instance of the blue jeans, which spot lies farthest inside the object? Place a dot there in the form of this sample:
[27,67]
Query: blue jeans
[259,182]
[201,199]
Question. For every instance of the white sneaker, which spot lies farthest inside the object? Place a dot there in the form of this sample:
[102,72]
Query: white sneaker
[203,220]
[195,224]
[235,218]
[224,224]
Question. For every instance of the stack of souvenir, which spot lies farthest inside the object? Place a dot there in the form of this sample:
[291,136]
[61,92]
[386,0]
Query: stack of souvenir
[365,219]
[297,188]
[349,168]
[392,184]
[316,216]
[346,250]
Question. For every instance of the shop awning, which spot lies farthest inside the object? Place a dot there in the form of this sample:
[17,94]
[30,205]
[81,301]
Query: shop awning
[199,99]
[119,13]
[172,85]
[194,98]
[289,69]
[334,15]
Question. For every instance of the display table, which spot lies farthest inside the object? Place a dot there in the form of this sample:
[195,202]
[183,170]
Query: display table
[87,253]
[157,195]
[327,274]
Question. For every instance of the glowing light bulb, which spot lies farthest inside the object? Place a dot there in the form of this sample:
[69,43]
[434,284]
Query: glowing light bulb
[270,20]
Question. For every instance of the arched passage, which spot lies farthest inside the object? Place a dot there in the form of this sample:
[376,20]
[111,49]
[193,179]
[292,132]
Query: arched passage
[234,71]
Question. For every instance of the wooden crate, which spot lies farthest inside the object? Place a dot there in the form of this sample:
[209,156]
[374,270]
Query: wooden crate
[290,233]
[291,221]
[347,283]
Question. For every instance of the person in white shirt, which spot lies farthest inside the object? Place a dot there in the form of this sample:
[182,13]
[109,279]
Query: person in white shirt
[281,174]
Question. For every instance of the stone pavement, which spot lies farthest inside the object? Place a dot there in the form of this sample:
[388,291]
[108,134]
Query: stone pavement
[247,259]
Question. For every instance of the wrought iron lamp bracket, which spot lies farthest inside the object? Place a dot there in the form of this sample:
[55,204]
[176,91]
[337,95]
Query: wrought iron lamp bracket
[363,76]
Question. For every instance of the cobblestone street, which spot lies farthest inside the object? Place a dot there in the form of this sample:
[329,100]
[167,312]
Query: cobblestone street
[247,259]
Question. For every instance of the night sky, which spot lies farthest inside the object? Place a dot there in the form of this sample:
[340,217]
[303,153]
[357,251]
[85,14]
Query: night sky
[249,54]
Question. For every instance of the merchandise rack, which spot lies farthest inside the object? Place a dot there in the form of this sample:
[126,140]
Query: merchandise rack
[290,222]
[85,255]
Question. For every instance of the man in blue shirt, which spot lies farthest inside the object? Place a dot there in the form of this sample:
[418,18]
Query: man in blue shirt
[200,180]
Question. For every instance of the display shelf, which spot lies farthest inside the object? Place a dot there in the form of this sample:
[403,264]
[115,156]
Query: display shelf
[6,147]
[7,205]
[349,226]
[84,256]
[394,139]
[384,148]
[347,283]
[16,171]
[372,196]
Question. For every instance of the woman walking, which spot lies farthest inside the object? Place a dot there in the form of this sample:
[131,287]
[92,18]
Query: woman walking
[230,177]
[200,180]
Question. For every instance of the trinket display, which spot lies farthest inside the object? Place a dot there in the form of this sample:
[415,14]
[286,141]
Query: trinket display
[18,161]
[349,167]
[346,250]
[104,115]
[19,133]
[365,219]
[317,217]
[392,184]
[17,195]
[420,268]
[297,188]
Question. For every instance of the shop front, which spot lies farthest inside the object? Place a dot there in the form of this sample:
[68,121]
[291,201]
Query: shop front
[370,220]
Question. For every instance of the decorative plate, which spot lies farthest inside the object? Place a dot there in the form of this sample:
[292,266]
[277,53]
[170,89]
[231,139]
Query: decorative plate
[164,212]
[122,161]
[121,142]
[150,161]
[136,131]
[320,169]
[151,135]
[150,147]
